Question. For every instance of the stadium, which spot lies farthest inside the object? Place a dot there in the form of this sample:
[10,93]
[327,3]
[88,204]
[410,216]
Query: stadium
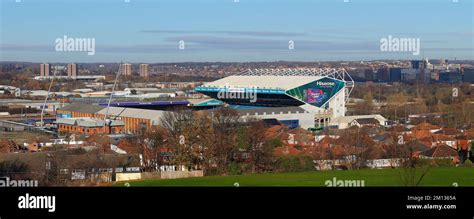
[306,97]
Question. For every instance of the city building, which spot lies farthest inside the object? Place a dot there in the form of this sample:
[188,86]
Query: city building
[144,70]
[417,72]
[451,77]
[45,69]
[72,70]
[417,64]
[395,74]
[383,74]
[127,69]
[369,74]
[468,75]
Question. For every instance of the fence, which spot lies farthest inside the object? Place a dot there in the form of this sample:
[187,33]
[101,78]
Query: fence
[158,175]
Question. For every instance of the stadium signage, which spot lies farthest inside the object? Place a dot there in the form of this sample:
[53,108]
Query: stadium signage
[317,93]
[327,83]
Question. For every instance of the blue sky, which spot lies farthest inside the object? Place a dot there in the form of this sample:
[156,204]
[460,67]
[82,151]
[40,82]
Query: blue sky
[224,30]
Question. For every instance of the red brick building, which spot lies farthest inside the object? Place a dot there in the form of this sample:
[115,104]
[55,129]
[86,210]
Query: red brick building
[89,126]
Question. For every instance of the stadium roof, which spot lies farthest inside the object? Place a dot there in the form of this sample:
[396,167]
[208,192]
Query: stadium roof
[283,79]
[272,82]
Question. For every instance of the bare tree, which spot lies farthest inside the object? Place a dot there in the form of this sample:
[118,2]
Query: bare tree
[413,169]
[222,151]
[150,144]
[257,146]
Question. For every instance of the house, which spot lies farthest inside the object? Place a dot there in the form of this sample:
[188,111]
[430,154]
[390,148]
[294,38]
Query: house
[385,138]
[439,152]
[286,150]
[426,126]
[345,121]
[399,129]
[300,136]
[444,139]
[364,122]
[416,147]
[422,134]
[449,132]
[326,141]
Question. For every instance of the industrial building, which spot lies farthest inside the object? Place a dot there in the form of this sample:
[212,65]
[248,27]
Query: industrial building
[89,126]
[24,106]
[133,119]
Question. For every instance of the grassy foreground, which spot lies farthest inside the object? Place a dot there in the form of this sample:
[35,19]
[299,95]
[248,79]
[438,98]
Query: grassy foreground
[440,176]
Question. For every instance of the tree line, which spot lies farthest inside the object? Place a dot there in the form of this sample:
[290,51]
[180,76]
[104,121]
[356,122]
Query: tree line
[216,141]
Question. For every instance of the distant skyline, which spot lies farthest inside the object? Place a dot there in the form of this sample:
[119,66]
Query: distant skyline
[228,31]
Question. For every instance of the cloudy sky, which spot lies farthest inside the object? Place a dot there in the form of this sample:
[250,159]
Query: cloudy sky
[234,30]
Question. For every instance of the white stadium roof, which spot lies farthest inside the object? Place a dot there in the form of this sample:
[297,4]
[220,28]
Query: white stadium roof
[278,78]
[274,82]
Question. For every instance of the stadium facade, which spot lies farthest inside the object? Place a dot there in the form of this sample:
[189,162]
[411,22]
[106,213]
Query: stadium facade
[318,94]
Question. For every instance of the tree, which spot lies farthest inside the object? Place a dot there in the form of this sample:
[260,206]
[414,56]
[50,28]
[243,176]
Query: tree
[186,137]
[222,150]
[368,102]
[413,169]
[151,143]
[394,101]
[101,141]
[257,146]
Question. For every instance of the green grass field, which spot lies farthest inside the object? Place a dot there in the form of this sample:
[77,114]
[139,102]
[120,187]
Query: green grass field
[441,176]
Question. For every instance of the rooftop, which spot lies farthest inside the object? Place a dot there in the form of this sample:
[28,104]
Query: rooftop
[82,108]
[88,122]
[283,79]
[115,112]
